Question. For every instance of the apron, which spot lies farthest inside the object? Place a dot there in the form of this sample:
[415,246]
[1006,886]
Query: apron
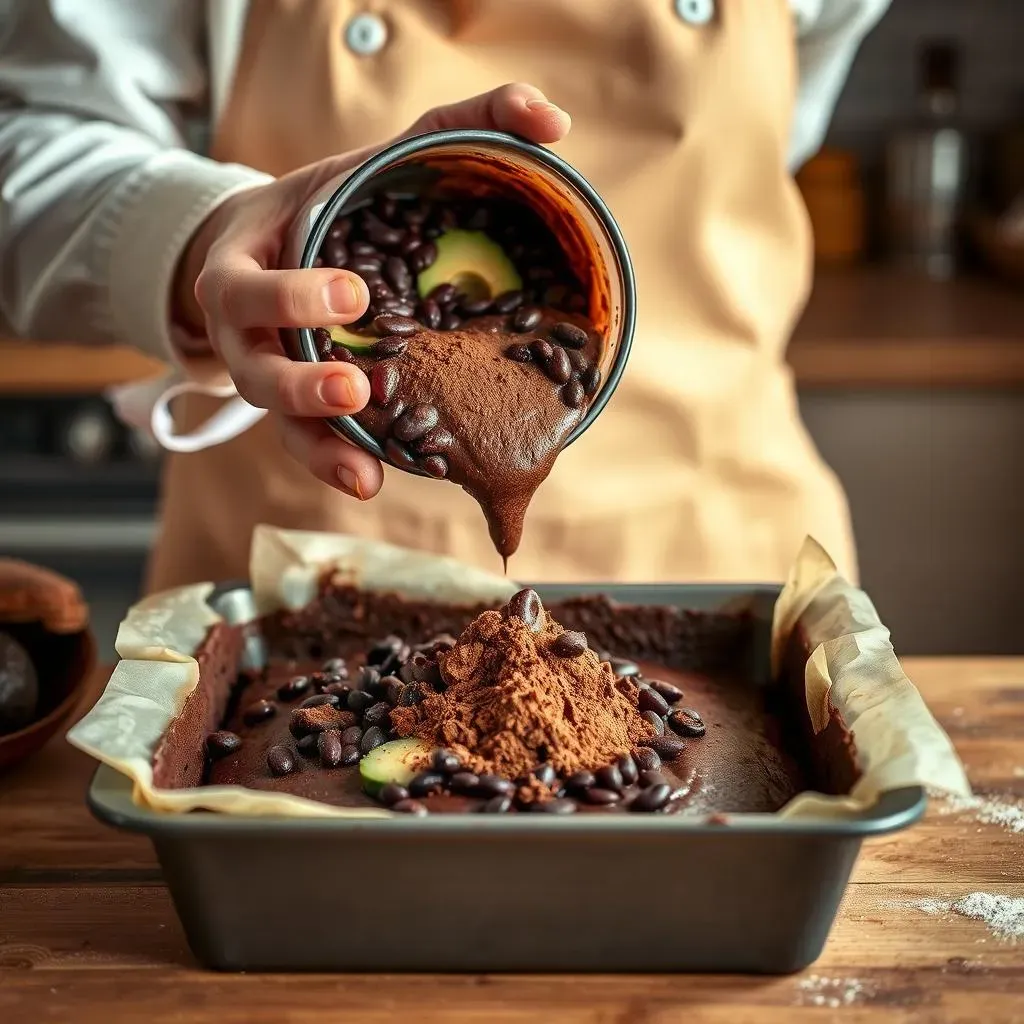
[700,468]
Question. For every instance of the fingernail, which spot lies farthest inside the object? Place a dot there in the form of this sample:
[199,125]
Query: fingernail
[350,482]
[342,295]
[541,105]
[336,391]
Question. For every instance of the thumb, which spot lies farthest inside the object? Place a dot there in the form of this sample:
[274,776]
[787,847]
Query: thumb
[518,108]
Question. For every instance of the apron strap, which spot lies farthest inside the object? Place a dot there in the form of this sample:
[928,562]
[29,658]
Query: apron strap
[147,406]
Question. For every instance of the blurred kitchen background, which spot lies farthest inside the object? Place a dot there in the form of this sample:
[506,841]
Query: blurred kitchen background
[909,360]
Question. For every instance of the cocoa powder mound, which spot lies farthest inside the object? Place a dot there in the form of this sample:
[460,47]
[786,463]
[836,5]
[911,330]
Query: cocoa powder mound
[520,691]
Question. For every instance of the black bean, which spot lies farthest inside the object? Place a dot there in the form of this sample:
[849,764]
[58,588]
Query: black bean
[526,318]
[596,795]
[364,264]
[400,325]
[335,667]
[557,366]
[571,644]
[350,754]
[352,735]
[221,743]
[386,205]
[651,700]
[495,785]
[294,688]
[364,249]
[426,783]
[572,394]
[435,465]
[422,257]
[393,690]
[414,693]
[340,354]
[578,361]
[329,747]
[394,307]
[652,799]
[624,667]
[430,314]
[506,302]
[319,699]
[380,291]
[545,774]
[569,335]
[323,342]
[380,234]
[654,719]
[378,714]
[259,711]
[372,738]
[398,455]
[687,722]
[646,759]
[340,229]
[478,307]
[464,783]
[309,746]
[381,651]
[560,805]
[389,346]
[538,275]
[413,807]
[497,805]
[519,353]
[359,701]
[445,761]
[443,294]
[369,679]
[340,689]
[435,441]
[280,760]
[652,778]
[671,693]
[396,273]
[580,781]
[383,383]
[591,381]
[415,422]
[627,769]
[450,322]
[391,792]
[666,747]
[542,350]
[526,605]
[409,245]
[609,777]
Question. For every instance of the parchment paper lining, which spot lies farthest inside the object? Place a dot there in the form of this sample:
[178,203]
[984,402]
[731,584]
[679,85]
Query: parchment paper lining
[852,665]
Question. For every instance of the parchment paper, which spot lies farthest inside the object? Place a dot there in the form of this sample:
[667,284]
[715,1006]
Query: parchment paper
[898,741]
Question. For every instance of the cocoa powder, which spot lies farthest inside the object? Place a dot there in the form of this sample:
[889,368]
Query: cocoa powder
[517,697]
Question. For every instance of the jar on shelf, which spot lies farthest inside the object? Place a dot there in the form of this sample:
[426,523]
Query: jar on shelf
[834,194]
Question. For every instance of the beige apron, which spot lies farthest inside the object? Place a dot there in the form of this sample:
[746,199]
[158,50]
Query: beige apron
[700,468]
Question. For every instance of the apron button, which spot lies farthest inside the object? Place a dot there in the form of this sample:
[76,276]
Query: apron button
[696,12]
[366,34]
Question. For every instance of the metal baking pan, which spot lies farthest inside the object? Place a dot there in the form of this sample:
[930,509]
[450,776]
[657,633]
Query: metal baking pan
[607,893]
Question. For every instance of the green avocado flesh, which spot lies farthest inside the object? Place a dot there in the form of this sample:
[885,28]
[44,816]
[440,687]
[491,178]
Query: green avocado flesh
[355,342]
[396,761]
[476,265]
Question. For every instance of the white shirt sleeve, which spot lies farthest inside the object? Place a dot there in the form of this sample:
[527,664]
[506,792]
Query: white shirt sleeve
[829,33]
[98,194]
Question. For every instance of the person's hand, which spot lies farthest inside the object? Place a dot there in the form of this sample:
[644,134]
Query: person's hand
[227,288]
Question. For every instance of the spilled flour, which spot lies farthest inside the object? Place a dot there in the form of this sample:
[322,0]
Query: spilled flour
[1003,915]
[815,990]
[1006,813]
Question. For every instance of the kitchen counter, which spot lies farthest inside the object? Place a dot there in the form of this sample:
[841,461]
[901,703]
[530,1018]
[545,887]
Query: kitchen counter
[88,932]
[863,328]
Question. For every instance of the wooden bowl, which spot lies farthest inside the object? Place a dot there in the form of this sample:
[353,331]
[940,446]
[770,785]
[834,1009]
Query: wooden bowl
[45,614]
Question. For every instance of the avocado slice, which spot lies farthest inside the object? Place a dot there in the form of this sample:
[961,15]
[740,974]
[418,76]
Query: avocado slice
[353,342]
[474,263]
[396,761]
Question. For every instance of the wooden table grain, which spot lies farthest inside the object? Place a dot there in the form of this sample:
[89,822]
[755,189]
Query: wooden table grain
[88,933]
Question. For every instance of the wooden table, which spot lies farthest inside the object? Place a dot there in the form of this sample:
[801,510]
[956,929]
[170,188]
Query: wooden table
[88,933]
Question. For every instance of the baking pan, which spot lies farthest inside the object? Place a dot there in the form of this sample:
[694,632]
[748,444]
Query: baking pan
[606,893]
